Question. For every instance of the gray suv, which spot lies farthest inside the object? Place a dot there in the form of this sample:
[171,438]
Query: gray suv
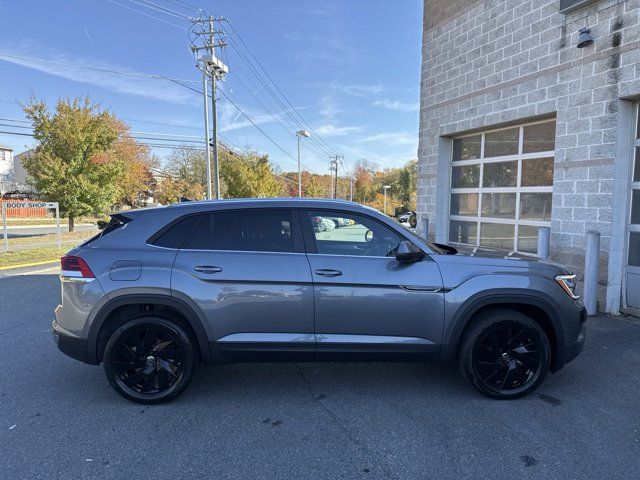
[162,290]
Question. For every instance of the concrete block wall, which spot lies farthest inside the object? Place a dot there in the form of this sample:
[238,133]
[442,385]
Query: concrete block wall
[502,62]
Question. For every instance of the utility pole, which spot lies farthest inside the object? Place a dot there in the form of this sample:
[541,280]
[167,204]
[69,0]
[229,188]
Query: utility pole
[351,188]
[213,67]
[300,134]
[385,188]
[207,141]
[333,166]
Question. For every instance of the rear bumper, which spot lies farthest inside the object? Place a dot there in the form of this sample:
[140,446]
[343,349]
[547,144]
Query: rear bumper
[72,346]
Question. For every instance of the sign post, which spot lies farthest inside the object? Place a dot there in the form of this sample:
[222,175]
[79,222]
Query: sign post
[28,210]
[4,227]
[58,227]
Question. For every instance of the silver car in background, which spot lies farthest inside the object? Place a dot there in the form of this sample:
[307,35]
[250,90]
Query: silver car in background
[164,290]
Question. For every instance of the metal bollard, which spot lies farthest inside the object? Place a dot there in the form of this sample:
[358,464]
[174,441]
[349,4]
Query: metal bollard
[544,240]
[591,264]
[426,228]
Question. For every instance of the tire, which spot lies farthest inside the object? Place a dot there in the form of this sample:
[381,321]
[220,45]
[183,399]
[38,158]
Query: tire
[150,360]
[504,354]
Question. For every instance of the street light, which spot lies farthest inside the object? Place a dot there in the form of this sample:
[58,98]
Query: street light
[385,187]
[300,134]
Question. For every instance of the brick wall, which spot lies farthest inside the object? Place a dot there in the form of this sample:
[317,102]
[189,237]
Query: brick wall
[504,62]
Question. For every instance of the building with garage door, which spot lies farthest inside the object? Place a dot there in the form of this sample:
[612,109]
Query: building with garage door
[527,122]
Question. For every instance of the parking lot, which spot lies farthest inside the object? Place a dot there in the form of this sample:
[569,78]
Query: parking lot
[60,419]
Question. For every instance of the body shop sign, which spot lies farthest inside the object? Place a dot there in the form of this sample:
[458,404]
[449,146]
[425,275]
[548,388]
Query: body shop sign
[30,204]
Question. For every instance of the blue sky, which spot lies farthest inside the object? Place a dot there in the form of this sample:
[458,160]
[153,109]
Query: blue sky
[351,69]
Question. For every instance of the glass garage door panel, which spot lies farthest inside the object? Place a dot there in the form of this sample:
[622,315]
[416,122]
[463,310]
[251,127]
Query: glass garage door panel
[502,186]
[632,273]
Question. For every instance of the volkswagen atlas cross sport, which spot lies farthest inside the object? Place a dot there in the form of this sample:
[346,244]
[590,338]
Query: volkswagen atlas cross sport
[163,290]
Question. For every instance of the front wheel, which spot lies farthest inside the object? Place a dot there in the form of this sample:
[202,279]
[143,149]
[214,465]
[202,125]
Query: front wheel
[149,360]
[504,354]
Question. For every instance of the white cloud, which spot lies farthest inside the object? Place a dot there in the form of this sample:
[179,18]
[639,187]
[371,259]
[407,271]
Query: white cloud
[392,139]
[336,131]
[70,67]
[327,106]
[361,90]
[397,105]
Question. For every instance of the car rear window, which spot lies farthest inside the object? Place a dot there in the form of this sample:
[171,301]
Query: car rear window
[117,220]
[257,231]
[174,235]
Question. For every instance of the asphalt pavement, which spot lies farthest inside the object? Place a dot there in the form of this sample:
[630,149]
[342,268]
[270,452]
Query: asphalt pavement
[60,419]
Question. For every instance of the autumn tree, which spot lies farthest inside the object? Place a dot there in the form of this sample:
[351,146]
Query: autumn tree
[69,164]
[137,182]
[184,176]
[249,175]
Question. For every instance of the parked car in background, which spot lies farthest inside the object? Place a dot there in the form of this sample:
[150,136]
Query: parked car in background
[328,223]
[408,219]
[339,221]
[162,290]
[318,224]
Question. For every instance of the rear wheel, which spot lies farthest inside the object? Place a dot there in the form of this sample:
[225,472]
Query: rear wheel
[149,360]
[505,354]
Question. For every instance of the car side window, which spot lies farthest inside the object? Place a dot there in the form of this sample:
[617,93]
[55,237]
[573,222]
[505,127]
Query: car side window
[344,233]
[243,230]
[175,235]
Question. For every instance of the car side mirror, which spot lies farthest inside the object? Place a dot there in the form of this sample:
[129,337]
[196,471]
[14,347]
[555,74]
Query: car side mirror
[408,252]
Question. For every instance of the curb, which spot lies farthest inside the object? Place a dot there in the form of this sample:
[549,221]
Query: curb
[27,265]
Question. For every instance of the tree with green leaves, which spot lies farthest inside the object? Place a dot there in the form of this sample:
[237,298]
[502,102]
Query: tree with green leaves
[72,164]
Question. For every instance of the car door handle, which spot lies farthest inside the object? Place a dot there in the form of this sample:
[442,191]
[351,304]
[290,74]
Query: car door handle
[207,269]
[327,272]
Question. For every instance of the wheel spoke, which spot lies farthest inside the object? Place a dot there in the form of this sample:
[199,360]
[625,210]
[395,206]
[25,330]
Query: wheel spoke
[148,340]
[148,383]
[511,340]
[528,362]
[169,354]
[163,380]
[133,380]
[125,351]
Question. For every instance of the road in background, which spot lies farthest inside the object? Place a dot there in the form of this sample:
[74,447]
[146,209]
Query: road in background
[60,419]
[26,237]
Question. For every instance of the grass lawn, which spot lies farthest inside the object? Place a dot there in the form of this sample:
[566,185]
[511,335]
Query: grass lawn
[31,255]
[64,223]
[53,237]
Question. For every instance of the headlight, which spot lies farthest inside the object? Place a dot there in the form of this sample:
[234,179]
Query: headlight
[568,284]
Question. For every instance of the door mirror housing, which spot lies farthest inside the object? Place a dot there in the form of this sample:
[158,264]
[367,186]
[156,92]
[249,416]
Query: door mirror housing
[408,252]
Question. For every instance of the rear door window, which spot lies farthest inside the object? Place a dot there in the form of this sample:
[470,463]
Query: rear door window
[244,230]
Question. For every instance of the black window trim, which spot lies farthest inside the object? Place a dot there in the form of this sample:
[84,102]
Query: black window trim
[298,243]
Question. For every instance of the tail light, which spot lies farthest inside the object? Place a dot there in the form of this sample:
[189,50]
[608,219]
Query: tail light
[75,269]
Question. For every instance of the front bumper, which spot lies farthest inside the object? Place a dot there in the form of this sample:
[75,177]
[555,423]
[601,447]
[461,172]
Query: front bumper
[70,345]
[574,346]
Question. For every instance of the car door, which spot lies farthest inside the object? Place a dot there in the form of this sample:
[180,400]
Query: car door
[366,302]
[248,273]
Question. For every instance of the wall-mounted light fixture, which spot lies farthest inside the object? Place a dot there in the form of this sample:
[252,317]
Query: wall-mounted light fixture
[584,37]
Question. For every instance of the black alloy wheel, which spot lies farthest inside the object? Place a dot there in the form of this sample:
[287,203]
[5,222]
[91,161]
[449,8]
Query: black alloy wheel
[149,360]
[505,355]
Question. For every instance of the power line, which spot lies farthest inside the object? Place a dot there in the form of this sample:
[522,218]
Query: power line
[160,8]
[277,88]
[148,15]
[97,69]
